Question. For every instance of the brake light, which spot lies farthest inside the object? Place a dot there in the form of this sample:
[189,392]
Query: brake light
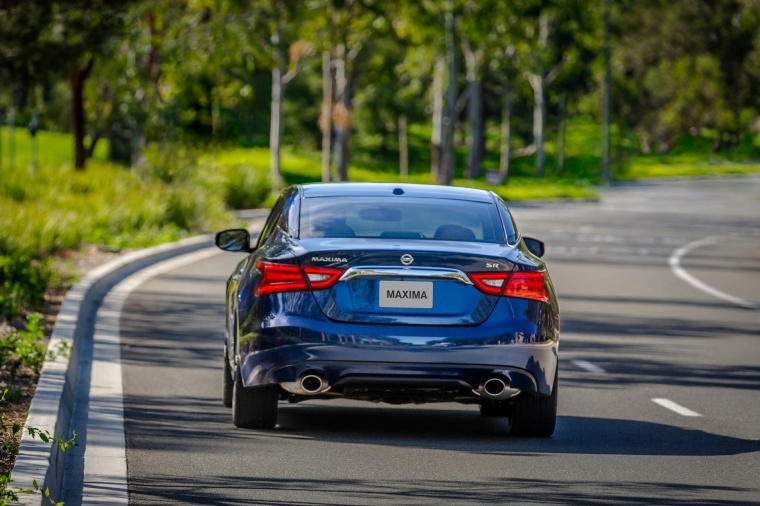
[276,278]
[280,278]
[526,285]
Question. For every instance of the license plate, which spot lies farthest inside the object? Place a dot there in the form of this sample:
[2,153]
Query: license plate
[409,294]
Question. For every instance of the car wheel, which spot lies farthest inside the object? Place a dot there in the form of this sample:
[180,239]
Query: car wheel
[228,383]
[495,409]
[534,415]
[253,407]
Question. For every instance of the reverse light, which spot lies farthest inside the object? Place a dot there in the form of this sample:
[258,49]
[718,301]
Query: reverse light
[277,278]
[320,278]
[491,283]
[525,285]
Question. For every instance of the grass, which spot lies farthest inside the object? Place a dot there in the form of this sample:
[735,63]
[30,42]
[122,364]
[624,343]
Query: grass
[53,148]
[51,209]
[694,157]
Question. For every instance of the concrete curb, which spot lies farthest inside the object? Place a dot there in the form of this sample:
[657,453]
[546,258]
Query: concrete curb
[51,407]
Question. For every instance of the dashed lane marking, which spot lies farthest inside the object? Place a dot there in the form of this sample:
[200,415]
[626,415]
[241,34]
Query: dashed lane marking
[668,404]
[588,366]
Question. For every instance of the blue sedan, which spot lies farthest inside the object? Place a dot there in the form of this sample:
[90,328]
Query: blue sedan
[394,293]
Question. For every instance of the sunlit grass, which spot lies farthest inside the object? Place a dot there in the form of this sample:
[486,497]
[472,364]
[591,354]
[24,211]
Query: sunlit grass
[53,148]
[53,207]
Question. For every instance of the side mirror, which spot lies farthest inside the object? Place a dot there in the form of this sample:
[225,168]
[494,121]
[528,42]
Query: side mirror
[236,239]
[534,246]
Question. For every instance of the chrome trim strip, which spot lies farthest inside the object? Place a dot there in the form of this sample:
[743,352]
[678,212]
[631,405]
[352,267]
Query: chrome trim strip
[409,272]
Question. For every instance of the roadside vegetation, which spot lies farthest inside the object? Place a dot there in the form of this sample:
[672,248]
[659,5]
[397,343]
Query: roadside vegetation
[154,120]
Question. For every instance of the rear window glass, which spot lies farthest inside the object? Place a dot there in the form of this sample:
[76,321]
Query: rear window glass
[401,218]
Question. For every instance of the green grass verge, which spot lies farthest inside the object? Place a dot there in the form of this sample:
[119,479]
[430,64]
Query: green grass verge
[53,148]
[53,208]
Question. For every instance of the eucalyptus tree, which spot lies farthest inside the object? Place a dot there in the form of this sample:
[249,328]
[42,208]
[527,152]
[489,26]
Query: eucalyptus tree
[352,24]
[277,27]
[502,62]
[420,26]
[485,40]
[442,24]
[556,38]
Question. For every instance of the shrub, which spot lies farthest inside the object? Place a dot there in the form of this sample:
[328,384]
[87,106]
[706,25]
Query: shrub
[23,283]
[24,348]
[244,188]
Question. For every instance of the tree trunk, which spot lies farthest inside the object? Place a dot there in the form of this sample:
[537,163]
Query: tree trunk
[561,135]
[341,115]
[506,132]
[539,114]
[403,147]
[77,77]
[275,133]
[437,137]
[606,85]
[476,146]
[326,119]
[345,138]
[477,139]
[447,167]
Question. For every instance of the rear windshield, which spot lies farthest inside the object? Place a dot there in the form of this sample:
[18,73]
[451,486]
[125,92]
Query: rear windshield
[401,218]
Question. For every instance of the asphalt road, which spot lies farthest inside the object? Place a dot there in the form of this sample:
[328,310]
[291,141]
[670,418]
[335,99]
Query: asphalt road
[632,331]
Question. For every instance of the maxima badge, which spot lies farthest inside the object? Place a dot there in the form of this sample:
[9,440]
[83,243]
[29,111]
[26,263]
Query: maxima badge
[407,259]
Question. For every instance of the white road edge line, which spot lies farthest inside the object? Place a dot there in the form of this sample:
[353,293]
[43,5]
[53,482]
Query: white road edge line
[675,265]
[105,458]
[668,404]
[588,366]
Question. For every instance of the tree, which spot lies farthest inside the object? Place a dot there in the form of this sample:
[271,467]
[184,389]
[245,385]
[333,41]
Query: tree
[74,37]
[354,25]
[698,75]
[280,15]
[479,35]
[420,25]
[540,78]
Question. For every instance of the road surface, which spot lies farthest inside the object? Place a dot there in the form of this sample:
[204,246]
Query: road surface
[659,403]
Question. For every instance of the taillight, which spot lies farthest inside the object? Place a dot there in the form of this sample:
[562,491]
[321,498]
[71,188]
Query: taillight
[277,278]
[320,278]
[491,283]
[526,285]
[280,278]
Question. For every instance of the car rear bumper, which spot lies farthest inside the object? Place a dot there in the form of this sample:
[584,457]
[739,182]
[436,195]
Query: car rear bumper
[347,367]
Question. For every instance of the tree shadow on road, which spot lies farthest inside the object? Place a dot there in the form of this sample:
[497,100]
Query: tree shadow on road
[235,490]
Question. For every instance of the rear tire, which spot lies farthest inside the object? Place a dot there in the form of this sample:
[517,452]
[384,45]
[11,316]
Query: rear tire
[534,415]
[228,382]
[254,407]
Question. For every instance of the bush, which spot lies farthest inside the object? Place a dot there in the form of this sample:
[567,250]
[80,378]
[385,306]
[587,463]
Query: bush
[23,283]
[24,348]
[244,188]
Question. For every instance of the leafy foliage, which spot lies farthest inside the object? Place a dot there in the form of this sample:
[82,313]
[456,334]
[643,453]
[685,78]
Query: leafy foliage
[22,282]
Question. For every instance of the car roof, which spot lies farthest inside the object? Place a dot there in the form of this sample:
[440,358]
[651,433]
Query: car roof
[394,190]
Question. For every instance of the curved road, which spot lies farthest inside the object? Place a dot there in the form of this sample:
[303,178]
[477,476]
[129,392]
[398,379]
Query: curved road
[659,390]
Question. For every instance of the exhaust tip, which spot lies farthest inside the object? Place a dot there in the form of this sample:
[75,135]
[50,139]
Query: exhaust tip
[312,384]
[494,387]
